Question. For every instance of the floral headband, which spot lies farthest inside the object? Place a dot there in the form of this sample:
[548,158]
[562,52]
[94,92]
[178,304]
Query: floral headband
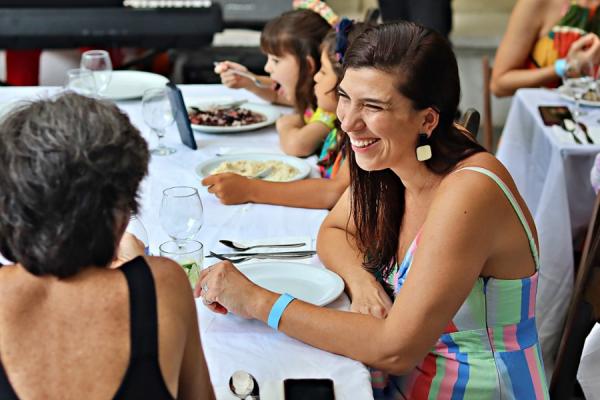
[341,38]
[319,7]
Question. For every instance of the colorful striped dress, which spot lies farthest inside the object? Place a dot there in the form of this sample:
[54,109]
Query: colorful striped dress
[490,348]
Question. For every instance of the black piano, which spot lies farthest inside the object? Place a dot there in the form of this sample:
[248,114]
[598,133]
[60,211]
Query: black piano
[107,23]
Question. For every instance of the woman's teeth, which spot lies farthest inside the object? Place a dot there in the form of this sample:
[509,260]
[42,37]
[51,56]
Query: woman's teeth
[362,143]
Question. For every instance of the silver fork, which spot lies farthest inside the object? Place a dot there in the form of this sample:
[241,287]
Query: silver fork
[259,257]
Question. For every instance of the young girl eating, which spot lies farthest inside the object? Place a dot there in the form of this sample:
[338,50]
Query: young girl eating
[310,193]
[291,43]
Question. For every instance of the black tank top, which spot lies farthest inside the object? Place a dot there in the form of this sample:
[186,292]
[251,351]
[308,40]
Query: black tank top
[143,379]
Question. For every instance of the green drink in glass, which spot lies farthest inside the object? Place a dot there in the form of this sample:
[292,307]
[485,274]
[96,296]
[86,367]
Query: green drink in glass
[187,253]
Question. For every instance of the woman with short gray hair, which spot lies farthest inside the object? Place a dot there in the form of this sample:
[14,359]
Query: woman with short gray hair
[70,326]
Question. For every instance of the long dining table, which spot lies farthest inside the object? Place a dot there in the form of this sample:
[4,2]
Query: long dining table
[231,343]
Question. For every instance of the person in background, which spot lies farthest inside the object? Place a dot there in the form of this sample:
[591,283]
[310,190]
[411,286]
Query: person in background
[545,41]
[71,326]
[434,14]
[309,193]
[429,216]
[291,43]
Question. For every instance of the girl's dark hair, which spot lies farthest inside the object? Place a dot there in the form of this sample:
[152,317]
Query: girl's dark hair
[298,33]
[329,46]
[71,168]
[427,74]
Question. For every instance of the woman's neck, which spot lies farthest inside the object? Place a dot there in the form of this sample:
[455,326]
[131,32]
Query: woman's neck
[416,177]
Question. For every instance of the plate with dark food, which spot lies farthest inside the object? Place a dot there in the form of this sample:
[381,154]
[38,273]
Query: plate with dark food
[229,118]
[589,98]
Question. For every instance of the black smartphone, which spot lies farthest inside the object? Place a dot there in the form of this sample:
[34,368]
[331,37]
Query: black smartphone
[554,115]
[181,117]
[313,389]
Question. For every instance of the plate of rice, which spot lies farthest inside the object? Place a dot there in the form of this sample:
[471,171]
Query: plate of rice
[281,168]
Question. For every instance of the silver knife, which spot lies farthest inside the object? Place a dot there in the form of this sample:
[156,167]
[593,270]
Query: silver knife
[275,253]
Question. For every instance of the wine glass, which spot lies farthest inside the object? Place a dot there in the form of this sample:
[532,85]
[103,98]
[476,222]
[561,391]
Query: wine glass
[158,115]
[80,81]
[181,213]
[98,62]
[578,86]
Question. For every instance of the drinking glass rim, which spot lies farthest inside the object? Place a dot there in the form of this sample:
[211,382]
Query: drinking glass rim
[179,253]
[96,53]
[194,193]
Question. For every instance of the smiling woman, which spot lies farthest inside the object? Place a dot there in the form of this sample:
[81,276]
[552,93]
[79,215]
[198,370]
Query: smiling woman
[439,253]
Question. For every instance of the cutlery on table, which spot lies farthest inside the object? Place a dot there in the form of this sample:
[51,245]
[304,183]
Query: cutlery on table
[584,129]
[243,258]
[248,75]
[570,126]
[272,253]
[242,247]
[244,386]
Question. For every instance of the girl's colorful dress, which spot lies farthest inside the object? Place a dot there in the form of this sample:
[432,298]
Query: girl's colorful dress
[490,348]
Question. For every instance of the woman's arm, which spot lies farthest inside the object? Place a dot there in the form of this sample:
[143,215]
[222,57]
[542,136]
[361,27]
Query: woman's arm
[337,250]
[510,73]
[299,139]
[308,193]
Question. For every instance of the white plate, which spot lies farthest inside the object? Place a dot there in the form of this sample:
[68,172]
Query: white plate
[315,285]
[566,94]
[128,85]
[204,168]
[270,112]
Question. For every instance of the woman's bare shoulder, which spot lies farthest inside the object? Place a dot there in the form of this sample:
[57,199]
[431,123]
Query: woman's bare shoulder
[170,279]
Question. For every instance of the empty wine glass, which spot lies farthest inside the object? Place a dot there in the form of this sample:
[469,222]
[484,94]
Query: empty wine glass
[181,213]
[80,81]
[580,85]
[158,115]
[98,62]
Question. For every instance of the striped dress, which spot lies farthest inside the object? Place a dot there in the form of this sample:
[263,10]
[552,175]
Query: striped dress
[489,350]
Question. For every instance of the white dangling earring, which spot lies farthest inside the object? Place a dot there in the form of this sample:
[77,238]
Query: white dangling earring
[423,148]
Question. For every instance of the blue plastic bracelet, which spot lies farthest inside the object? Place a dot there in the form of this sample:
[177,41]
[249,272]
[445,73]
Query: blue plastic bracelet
[560,67]
[277,310]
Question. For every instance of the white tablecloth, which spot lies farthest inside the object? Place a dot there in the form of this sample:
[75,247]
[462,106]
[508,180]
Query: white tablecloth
[231,343]
[553,178]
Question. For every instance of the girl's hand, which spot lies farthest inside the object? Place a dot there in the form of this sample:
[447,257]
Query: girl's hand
[224,288]
[229,78]
[584,50]
[370,298]
[229,188]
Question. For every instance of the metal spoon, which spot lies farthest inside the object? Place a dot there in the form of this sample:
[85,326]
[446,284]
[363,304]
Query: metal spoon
[243,385]
[241,247]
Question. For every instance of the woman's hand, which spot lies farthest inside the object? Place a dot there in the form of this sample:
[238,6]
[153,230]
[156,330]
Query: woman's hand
[224,288]
[231,79]
[229,188]
[370,298]
[585,50]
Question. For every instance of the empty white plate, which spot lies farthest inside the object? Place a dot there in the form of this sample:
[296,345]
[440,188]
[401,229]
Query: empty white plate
[128,85]
[309,283]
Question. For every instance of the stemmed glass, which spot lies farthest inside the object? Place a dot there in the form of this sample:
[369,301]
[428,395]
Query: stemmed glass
[158,115]
[80,81]
[579,86]
[98,62]
[181,213]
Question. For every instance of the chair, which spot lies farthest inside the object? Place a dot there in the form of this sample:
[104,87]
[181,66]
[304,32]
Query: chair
[583,312]
[488,129]
[470,120]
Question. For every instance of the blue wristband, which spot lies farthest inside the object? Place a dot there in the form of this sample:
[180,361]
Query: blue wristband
[277,310]
[560,67]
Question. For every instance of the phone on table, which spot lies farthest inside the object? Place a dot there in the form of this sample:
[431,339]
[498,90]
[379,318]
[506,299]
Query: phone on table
[313,389]
[181,116]
[554,115]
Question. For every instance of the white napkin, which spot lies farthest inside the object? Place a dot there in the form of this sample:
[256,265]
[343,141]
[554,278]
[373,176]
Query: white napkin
[269,390]
[307,240]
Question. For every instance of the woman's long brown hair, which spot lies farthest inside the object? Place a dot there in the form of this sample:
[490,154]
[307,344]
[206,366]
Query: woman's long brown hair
[298,33]
[427,74]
